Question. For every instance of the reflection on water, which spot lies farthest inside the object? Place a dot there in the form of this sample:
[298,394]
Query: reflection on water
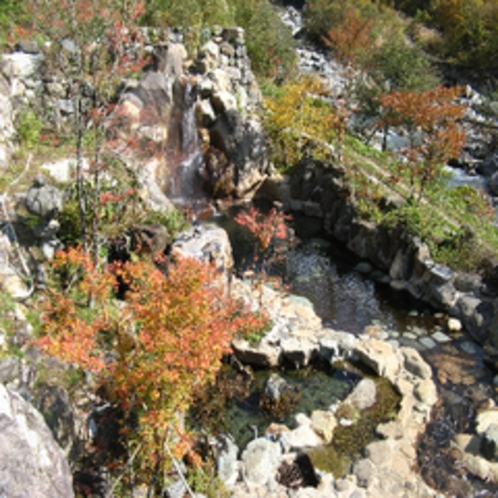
[345,299]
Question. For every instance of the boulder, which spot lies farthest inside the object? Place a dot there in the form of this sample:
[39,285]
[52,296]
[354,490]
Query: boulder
[261,459]
[243,141]
[363,395]
[489,443]
[485,419]
[43,200]
[323,423]
[275,387]
[298,351]
[260,355]
[225,455]
[415,364]
[476,315]
[379,356]
[32,465]
[20,65]
[304,436]
[206,243]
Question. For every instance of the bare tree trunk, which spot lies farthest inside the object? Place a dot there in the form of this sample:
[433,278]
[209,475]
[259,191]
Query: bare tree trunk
[80,180]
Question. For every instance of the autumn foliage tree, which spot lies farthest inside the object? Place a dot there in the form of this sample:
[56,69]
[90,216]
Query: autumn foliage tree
[430,119]
[351,36]
[301,118]
[151,352]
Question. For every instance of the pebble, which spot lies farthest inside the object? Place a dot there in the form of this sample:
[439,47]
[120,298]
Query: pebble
[454,325]
[469,347]
[428,342]
[441,337]
[410,335]
[418,331]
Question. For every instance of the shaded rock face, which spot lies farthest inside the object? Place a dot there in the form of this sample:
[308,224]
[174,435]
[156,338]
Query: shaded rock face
[32,465]
[213,98]
[53,402]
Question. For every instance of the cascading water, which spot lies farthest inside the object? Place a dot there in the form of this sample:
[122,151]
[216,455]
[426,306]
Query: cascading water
[185,156]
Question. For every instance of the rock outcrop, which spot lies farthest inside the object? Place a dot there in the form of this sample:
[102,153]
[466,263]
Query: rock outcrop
[32,465]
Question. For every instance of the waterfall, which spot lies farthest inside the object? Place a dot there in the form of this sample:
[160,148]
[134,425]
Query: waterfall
[184,154]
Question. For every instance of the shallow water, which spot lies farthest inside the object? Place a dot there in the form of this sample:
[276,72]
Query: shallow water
[314,390]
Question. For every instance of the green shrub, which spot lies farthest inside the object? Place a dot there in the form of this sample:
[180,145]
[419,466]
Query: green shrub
[270,44]
[173,219]
[28,128]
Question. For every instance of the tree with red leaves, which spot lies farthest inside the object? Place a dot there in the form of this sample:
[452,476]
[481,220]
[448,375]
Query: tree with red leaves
[431,120]
[149,354]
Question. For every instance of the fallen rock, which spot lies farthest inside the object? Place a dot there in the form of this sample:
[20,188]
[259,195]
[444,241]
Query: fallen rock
[43,200]
[323,423]
[484,419]
[489,443]
[208,244]
[415,364]
[363,395]
[379,356]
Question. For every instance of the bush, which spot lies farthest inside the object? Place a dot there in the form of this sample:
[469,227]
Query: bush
[299,120]
[322,15]
[28,128]
[149,355]
[403,67]
[270,44]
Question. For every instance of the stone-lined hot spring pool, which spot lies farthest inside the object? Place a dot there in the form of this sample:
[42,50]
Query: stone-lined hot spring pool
[345,298]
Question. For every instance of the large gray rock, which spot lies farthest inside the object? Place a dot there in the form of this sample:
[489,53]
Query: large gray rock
[208,244]
[32,465]
[477,316]
[261,459]
[19,65]
[244,142]
[43,200]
